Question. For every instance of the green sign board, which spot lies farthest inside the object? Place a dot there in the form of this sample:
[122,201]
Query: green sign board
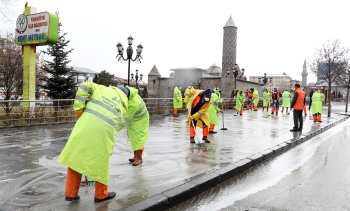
[37,29]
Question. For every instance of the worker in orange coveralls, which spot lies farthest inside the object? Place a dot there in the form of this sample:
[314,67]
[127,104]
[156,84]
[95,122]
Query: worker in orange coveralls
[276,95]
[198,114]
[249,94]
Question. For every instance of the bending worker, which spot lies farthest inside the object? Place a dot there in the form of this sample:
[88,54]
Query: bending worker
[255,99]
[240,99]
[93,137]
[137,123]
[214,109]
[275,101]
[198,112]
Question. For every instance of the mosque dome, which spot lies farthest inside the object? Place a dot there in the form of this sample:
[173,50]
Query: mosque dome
[214,70]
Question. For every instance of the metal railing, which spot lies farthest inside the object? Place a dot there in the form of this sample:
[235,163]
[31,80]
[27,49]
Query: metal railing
[15,113]
[41,112]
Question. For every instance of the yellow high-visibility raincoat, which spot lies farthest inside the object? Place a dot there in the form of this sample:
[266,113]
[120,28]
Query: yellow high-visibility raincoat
[202,115]
[92,140]
[214,108]
[136,120]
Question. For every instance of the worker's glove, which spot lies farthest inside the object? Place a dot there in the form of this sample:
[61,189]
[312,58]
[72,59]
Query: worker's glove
[79,112]
[190,118]
[222,111]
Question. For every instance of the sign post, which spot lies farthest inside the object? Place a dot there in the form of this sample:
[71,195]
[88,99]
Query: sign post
[33,29]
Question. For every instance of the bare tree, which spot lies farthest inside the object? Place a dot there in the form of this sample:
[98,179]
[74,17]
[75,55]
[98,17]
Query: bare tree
[344,80]
[5,11]
[11,67]
[329,64]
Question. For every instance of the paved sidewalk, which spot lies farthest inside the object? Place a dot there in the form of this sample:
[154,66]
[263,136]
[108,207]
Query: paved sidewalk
[172,171]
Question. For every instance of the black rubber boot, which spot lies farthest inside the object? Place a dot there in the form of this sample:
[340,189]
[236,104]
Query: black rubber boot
[111,195]
[72,199]
[205,138]
[132,159]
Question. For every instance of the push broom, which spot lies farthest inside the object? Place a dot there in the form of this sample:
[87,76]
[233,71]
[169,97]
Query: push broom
[223,123]
[197,143]
[87,182]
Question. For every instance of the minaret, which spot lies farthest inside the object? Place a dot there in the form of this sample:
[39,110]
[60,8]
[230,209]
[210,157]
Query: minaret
[304,75]
[229,47]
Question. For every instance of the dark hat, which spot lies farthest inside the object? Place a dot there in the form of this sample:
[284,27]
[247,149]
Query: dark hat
[207,92]
[126,91]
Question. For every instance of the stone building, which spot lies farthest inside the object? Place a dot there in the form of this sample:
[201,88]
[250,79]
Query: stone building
[279,81]
[162,87]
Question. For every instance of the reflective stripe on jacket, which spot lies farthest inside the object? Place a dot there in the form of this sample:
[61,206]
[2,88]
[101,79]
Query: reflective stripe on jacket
[91,143]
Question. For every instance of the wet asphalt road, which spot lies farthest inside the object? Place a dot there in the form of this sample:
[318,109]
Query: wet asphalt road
[312,176]
[31,179]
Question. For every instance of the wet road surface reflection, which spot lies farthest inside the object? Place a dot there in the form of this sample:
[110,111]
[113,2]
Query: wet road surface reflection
[311,176]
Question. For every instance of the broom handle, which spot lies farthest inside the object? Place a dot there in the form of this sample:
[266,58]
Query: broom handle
[223,122]
[195,132]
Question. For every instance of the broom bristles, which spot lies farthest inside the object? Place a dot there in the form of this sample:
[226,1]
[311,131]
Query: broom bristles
[199,145]
[87,183]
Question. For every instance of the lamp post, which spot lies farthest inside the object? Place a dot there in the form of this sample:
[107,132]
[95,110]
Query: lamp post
[129,52]
[199,84]
[264,80]
[235,72]
[136,77]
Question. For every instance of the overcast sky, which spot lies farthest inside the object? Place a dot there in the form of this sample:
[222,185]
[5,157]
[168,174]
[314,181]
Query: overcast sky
[273,36]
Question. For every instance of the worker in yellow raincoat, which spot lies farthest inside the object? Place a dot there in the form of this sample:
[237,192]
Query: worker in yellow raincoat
[177,100]
[189,88]
[214,109]
[198,112]
[255,99]
[137,124]
[92,140]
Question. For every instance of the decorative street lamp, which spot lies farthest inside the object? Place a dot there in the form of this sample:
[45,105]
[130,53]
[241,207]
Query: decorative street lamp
[235,72]
[129,52]
[199,84]
[136,77]
[264,80]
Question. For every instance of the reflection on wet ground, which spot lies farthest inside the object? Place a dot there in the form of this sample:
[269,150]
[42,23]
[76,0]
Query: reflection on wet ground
[30,177]
[305,177]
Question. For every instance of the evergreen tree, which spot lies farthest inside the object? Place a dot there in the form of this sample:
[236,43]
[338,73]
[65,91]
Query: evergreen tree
[60,84]
[145,93]
[105,78]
